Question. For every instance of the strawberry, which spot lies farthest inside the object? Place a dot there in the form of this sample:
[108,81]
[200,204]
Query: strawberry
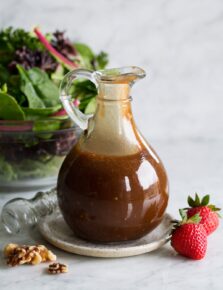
[189,237]
[207,212]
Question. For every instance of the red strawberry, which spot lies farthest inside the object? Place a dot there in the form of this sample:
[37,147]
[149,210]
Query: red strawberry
[207,212]
[189,237]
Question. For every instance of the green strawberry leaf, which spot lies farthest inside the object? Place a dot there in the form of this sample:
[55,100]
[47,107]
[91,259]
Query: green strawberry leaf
[219,215]
[195,219]
[205,200]
[183,215]
[197,200]
[190,201]
[213,207]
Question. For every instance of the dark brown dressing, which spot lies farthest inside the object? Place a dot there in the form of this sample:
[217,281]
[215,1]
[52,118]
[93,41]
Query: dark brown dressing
[107,198]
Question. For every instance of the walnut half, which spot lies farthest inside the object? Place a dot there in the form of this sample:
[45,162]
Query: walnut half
[57,268]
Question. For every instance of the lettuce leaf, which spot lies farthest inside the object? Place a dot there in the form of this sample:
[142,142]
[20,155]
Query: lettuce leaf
[28,89]
[9,108]
[47,91]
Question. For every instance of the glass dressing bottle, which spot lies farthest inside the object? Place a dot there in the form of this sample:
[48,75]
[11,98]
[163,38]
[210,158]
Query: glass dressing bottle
[112,186]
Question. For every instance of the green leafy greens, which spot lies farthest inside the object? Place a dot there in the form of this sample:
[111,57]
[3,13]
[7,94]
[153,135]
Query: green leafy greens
[31,68]
[30,75]
[13,111]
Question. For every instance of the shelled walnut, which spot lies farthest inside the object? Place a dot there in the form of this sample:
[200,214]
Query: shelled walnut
[57,268]
[23,254]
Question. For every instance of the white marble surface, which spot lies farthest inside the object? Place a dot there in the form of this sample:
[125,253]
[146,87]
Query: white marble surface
[178,108]
[192,166]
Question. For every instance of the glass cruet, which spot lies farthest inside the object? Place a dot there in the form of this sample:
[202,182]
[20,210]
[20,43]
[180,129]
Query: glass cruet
[112,186]
[19,215]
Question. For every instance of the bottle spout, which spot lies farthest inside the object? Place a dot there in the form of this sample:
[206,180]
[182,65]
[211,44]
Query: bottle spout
[123,75]
[123,78]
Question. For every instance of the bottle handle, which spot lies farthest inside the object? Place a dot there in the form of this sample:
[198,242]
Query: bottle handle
[73,112]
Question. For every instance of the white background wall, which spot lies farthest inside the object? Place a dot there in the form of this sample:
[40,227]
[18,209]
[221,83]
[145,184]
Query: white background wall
[178,42]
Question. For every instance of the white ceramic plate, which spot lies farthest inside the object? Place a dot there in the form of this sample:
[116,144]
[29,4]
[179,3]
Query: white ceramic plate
[55,230]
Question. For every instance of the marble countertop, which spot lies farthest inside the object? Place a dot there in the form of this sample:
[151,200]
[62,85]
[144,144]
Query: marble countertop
[193,165]
[179,109]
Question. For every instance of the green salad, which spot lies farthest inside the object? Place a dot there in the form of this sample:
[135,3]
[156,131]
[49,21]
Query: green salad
[32,65]
[31,68]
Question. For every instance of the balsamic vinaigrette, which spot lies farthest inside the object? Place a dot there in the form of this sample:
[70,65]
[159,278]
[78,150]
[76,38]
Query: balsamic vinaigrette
[112,186]
[112,198]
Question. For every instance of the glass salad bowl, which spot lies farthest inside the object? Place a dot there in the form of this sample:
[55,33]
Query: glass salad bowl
[31,152]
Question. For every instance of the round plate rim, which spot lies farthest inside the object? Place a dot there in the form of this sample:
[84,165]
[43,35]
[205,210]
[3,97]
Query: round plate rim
[99,252]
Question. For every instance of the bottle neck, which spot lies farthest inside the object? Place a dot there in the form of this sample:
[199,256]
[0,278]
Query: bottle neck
[112,129]
[113,92]
[44,203]
[113,107]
